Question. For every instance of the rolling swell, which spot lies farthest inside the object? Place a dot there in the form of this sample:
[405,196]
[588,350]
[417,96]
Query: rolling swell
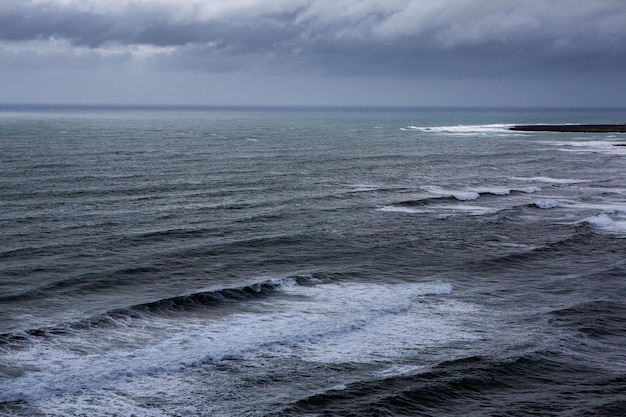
[423,202]
[451,196]
[82,283]
[167,306]
[537,384]
[572,249]
[199,243]
[596,319]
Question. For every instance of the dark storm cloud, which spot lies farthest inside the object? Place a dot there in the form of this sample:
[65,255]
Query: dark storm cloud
[137,23]
[341,37]
[23,21]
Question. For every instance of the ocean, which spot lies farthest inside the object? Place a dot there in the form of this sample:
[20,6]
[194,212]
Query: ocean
[310,262]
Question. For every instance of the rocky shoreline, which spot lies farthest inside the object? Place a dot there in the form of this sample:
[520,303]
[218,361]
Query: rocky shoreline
[577,128]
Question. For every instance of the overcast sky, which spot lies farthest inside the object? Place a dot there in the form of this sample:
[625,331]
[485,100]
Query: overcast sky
[314,52]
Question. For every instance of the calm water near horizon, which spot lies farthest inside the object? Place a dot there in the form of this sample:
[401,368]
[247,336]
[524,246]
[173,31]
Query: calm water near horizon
[310,261]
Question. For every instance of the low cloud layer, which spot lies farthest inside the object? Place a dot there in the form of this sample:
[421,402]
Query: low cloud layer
[321,38]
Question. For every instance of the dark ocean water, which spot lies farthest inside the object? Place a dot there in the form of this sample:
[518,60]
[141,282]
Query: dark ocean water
[310,262]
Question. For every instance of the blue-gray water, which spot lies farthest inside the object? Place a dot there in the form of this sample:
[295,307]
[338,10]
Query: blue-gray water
[277,262]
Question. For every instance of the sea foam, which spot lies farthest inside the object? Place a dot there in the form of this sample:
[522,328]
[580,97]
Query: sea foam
[463,130]
[550,180]
[327,322]
[547,204]
[614,223]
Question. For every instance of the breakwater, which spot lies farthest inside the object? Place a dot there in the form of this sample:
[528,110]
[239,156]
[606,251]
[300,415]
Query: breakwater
[583,128]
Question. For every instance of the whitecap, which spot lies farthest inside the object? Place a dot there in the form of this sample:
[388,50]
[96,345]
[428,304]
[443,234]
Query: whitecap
[469,209]
[614,223]
[465,195]
[547,204]
[462,130]
[397,209]
[550,180]
[327,322]
[527,190]
[495,191]
[460,195]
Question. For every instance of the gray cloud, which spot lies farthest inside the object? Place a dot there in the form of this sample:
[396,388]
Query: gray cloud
[453,39]
[397,37]
[153,23]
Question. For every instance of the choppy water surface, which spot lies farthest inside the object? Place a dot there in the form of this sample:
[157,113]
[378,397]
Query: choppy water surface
[276,262]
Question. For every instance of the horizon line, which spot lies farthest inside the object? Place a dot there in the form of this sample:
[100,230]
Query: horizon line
[305,106]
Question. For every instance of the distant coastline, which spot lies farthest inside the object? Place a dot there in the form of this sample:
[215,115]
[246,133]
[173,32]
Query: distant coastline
[577,128]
